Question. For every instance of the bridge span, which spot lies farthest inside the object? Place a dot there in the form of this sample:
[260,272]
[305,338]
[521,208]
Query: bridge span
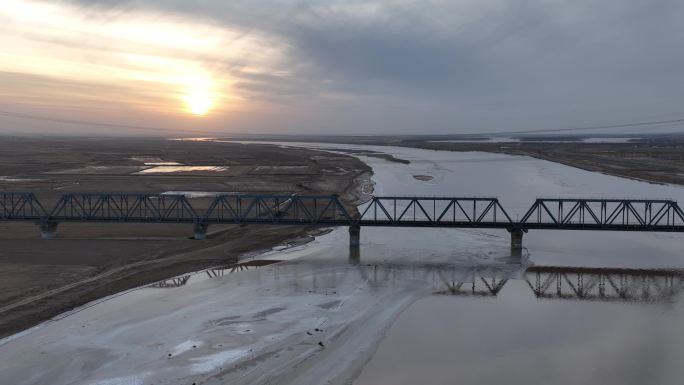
[652,215]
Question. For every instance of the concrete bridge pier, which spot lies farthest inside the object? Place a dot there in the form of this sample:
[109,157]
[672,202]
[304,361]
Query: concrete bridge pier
[200,230]
[516,242]
[48,230]
[354,236]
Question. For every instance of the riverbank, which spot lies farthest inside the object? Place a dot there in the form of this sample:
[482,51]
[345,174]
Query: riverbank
[660,162]
[43,278]
[654,159]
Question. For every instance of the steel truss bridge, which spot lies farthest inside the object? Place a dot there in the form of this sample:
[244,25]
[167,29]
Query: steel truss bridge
[445,212]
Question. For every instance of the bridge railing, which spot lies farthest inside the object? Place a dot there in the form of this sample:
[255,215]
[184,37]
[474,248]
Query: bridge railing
[123,207]
[431,211]
[623,214]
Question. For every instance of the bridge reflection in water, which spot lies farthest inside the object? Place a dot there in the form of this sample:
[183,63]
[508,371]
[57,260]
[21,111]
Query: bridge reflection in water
[477,280]
[604,284]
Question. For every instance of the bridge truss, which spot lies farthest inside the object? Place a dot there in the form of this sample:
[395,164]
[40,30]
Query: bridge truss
[16,206]
[604,214]
[434,212]
[123,208]
[328,210]
[276,209]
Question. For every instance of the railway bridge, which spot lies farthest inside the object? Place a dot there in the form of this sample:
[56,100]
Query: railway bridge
[648,215]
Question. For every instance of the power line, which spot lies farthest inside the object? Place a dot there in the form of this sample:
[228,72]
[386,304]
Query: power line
[87,123]
[161,129]
[585,128]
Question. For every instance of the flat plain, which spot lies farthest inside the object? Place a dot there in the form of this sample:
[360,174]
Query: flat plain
[40,278]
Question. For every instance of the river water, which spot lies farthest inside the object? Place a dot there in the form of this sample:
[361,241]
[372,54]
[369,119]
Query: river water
[435,306]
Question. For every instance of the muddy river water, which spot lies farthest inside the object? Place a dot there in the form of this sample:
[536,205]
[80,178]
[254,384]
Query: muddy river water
[431,306]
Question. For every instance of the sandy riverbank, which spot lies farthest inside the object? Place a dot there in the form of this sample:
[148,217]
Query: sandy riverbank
[40,279]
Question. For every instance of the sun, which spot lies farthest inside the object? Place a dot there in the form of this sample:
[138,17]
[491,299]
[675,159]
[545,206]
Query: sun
[198,103]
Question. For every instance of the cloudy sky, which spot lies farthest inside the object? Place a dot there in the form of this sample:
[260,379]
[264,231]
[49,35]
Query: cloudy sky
[338,67]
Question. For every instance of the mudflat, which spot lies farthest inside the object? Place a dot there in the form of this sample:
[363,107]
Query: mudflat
[43,278]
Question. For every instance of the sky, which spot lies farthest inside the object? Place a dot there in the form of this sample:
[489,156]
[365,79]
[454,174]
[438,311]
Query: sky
[199,67]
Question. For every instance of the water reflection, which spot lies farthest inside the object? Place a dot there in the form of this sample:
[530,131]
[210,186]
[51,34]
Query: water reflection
[354,255]
[478,286]
[605,284]
[166,169]
[172,282]
[215,272]
[476,280]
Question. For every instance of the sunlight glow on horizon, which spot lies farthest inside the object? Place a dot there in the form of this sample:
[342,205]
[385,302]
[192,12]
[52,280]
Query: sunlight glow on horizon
[65,57]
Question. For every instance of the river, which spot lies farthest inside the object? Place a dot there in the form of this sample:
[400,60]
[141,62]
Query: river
[433,306]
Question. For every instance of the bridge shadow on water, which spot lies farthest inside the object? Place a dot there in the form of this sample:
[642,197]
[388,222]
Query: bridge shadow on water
[480,279]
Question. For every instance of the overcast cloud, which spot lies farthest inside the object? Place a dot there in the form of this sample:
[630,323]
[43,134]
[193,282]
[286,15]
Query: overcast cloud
[354,67]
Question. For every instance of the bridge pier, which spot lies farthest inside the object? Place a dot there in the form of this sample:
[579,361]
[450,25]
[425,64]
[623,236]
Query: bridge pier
[354,236]
[516,242]
[48,230]
[200,230]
